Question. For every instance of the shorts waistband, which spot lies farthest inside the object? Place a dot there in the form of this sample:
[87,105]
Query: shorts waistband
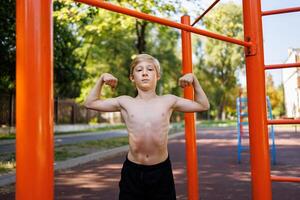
[148,167]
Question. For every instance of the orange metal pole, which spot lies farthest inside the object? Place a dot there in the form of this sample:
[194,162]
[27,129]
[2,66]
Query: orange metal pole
[284,121]
[34,96]
[206,11]
[190,132]
[280,66]
[285,179]
[144,16]
[280,11]
[259,142]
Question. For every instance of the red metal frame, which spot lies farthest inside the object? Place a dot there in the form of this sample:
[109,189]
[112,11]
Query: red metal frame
[34,97]
[284,121]
[206,11]
[279,66]
[257,116]
[285,179]
[280,11]
[190,132]
[140,15]
[34,78]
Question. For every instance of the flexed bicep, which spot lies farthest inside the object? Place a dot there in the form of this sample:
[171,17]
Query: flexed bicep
[105,105]
[187,105]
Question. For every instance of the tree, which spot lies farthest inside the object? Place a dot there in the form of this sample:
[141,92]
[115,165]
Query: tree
[112,41]
[7,46]
[276,96]
[222,59]
[154,7]
[68,71]
[69,66]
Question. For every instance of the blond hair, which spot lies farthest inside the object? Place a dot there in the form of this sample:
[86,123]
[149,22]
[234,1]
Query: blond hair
[144,57]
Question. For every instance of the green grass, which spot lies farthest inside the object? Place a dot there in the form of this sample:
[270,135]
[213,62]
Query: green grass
[105,144]
[216,123]
[7,162]
[64,152]
[7,166]
[7,136]
[61,155]
[106,128]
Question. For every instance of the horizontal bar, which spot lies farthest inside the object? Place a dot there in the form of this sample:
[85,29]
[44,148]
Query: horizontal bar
[245,148]
[141,15]
[284,121]
[280,66]
[206,11]
[244,114]
[280,11]
[285,179]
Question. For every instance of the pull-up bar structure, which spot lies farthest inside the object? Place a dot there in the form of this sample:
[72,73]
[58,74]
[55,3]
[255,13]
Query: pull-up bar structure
[205,12]
[166,22]
[34,99]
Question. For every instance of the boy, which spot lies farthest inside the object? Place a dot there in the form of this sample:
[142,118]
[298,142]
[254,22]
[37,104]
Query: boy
[147,171]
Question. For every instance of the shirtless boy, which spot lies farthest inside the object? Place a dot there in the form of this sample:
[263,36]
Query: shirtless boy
[147,171]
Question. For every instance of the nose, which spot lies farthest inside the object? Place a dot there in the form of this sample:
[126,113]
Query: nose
[145,73]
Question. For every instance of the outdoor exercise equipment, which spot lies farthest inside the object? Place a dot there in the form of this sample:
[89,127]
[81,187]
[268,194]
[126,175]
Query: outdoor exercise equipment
[34,96]
[242,114]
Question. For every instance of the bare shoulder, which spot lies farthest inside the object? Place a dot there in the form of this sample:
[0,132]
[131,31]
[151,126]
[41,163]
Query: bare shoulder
[124,98]
[170,98]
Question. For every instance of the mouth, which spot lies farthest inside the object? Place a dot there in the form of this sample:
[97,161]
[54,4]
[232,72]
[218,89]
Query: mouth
[145,80]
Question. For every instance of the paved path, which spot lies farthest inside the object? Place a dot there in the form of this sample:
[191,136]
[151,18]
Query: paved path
[220,177]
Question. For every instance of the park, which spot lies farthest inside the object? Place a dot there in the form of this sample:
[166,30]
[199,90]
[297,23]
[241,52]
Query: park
[92,37]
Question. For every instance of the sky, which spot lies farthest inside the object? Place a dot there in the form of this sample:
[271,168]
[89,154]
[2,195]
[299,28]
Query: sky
[280,32]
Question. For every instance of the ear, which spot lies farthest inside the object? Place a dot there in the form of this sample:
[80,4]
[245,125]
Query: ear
[158,76]
[131,78]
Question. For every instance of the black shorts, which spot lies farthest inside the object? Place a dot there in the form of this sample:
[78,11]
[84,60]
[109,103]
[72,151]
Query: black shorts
[147,182]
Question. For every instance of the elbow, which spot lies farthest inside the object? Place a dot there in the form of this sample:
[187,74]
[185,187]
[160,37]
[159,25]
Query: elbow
[87,105]
[207,106]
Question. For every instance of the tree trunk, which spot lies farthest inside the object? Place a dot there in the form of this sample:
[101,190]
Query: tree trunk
[221,109]
[141,34]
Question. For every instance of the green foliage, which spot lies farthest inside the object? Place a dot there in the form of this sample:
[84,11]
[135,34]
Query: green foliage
[221,59]
[276,96]
[112,41]
[69,66]
[162,45]
[7,45]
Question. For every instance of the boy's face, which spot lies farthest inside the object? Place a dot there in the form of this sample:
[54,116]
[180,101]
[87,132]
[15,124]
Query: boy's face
[145,75]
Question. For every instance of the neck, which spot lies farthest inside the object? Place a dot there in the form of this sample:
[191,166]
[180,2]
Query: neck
[146,95]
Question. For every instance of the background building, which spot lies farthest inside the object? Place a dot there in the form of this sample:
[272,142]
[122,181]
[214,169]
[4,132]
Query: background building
[291,84]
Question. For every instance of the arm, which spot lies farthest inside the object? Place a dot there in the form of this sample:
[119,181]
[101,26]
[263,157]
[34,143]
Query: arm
[94,102]
[200,102]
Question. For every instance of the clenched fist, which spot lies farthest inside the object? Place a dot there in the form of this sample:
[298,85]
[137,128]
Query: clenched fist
[110,80]
[186,80]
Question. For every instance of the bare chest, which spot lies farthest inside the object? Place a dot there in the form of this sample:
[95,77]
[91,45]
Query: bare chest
[151,114]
